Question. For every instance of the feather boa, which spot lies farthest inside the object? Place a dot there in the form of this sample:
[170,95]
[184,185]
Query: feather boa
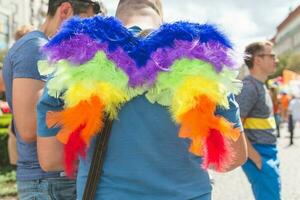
[98,66]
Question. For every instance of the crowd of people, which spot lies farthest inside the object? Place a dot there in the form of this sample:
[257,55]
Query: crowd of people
[103,82]
[286,111]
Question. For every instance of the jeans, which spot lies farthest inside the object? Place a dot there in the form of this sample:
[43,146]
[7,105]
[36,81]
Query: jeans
[47,189]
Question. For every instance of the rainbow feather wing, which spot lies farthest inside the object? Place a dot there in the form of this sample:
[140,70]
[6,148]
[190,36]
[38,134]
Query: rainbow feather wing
[88,91]
[186,66]
[193,89]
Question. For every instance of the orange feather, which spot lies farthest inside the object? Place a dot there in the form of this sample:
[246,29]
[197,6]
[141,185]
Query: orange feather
[88,112]
[198,121]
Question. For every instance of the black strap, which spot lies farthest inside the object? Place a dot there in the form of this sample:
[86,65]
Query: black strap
[97,161]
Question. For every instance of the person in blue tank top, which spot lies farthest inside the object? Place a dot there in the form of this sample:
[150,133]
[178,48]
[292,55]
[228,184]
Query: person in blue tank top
[145,158]
[23,86]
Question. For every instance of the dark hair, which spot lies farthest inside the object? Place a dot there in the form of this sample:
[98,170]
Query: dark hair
[79,6]
[254,49]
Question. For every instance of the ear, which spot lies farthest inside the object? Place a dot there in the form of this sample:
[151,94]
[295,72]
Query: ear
[256,60]
[65,11]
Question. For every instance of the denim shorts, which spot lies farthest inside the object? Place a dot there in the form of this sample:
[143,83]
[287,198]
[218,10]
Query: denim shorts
[47,189]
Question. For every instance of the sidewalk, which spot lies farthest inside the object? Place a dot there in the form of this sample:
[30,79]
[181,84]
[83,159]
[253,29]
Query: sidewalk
[234,185]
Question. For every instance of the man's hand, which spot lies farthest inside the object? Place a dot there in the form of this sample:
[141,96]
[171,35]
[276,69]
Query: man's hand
[256,158]
[252,153]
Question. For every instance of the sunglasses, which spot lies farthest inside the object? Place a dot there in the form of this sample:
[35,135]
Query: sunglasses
[271,55]
[95,4]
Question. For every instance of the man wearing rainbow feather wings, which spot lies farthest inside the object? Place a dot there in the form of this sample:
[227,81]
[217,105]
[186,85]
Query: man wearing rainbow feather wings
[169,95]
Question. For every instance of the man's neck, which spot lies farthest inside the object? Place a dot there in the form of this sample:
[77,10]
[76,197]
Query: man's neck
[49,27]
[142,22]
[258,75]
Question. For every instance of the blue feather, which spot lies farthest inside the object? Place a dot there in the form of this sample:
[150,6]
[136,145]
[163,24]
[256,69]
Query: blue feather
[110,30]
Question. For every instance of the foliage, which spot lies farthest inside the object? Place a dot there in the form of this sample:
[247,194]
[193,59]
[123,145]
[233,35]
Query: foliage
[293,63]
[4,122]
[288,61]
[2,55]
[282,64]
[8,185]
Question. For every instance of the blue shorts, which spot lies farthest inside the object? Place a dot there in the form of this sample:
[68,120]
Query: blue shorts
[265,183]
[52,188]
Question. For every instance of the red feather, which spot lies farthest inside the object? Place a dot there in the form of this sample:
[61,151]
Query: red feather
[217,152]
[74,148]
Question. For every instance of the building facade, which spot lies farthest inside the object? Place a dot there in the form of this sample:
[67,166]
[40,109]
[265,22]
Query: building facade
[287,38]
[15,13]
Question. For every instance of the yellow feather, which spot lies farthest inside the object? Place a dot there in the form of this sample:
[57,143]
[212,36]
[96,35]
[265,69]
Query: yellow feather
[110,95]
[185,97]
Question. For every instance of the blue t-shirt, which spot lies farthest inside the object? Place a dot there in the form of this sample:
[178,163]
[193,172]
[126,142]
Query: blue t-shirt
[21,62]
[256,108]
[145,158]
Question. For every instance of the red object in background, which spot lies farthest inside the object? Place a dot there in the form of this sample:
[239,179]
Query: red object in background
[5,110]
[279,80]
[4,107]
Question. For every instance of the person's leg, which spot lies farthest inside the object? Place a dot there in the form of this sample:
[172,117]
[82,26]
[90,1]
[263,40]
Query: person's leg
[47,189]
[292,133]
[203,197]
[252,174]
[277,120]
[291,128]
[62,188]
[266,182]
[28,190]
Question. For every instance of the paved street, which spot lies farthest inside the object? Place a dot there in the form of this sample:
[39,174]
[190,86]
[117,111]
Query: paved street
[234,185]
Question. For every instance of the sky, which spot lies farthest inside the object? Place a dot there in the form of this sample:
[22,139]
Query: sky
[244,21]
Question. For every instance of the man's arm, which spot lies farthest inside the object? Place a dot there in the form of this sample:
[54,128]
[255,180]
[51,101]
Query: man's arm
[26,87]
[246,100]
[50,150]
[238,147]
[50,154]
[253,154]
[25,94]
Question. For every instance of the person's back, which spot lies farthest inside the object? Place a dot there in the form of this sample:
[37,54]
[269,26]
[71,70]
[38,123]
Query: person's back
[145,158]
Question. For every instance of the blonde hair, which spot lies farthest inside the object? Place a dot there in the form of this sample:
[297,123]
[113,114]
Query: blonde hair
[126,5]
[23,30]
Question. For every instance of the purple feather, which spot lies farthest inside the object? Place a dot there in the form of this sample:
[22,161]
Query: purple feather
[81,48]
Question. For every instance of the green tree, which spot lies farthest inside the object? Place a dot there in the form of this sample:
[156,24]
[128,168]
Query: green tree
[293,63]
[281,65]
[2,55]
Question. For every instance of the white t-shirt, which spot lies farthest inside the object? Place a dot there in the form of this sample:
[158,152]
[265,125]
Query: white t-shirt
[294,108]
